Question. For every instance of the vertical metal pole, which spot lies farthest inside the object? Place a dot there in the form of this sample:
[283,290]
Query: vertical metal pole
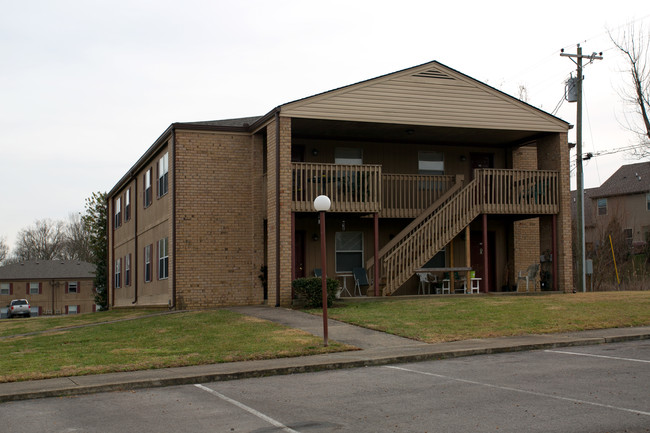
[486,271]
[323,264]
[554,256]
[580,229]
[376,267]
[293,250]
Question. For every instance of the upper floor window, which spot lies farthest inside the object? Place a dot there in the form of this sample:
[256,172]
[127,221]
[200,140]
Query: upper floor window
[127,205]
[34,288]
[163,259]
[118,212]
[432,163]
[647,201]
[348,156]
[73,287]
[163,173]
[5,289]
[147,188]
[602,206]
[349,251]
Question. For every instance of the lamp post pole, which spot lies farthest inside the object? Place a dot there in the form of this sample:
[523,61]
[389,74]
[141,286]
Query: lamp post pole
[322,204]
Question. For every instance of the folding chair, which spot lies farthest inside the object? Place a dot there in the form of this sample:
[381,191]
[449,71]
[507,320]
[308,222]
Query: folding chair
[360,279]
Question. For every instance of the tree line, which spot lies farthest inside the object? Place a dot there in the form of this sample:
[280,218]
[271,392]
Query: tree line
[82,237]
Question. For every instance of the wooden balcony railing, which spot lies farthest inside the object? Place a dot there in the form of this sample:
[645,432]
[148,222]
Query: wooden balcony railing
[492,191]
[518,191]
[408,195]
[351,188]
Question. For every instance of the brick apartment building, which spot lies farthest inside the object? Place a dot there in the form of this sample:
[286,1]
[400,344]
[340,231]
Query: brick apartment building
[50,286]
[425,167]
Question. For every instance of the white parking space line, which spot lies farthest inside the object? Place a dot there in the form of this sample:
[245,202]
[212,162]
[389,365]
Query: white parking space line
[248,409]
[597,356]
[523,391]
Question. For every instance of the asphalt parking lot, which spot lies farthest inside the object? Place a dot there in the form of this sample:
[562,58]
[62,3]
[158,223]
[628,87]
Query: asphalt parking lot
[602,388]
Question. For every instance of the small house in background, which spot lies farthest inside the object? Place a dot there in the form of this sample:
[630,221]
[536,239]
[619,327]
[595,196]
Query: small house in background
[623,199]
[50,286]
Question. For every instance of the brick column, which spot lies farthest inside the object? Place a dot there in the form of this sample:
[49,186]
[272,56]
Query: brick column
[279,211]
[553,154]
[525,232]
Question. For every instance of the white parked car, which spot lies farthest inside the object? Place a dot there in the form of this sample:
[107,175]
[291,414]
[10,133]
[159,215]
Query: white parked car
[18,307]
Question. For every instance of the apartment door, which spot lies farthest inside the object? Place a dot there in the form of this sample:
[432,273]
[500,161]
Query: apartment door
[481,160]
[476,256]
[299,264]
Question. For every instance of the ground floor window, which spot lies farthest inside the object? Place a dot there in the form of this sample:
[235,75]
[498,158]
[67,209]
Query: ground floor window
[127,270]
[163,259]
[147,263]
[349,251]
[72,309]
[118,274]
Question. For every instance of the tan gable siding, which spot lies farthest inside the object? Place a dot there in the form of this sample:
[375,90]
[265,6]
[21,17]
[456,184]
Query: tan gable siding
[429,95]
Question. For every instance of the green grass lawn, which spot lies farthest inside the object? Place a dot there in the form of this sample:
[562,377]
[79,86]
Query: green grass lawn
[189,338]
[436,319]
[153,340]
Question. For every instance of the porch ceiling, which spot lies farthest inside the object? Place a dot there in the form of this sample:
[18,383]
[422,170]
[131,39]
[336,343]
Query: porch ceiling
[399,133]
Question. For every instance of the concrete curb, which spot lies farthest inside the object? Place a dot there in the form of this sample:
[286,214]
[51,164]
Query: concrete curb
[111,382]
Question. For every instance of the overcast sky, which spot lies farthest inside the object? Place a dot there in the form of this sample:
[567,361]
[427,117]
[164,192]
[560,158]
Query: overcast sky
[87,86]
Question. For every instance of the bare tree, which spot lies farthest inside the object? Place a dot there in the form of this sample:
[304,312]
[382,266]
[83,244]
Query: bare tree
[45,240]
[77,240]
[635,47]
[4,250]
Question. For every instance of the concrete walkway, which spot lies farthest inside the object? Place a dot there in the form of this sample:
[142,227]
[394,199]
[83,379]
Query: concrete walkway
[377,348]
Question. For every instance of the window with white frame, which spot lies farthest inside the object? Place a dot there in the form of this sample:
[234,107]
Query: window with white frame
[72,309]
[34,288]
[147,263]
[163,175]
[118,274]
[5,289]
[348,156]
[602,206]
[147,189]
[127,270]
[349,251]
[118,212]
[647,201]
[127,205]
[430,162]
[163,259]
[72,287]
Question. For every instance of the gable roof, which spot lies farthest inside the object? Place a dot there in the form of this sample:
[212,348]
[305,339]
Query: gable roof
[628,179]
[431,94]
[47,269]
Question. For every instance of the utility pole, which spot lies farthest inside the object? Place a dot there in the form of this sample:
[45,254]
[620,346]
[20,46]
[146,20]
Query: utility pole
[580,194]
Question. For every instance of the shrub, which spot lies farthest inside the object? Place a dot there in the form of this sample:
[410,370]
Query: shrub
[311,290]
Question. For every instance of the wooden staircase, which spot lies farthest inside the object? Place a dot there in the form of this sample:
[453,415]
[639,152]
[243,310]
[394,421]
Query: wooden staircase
[491,191]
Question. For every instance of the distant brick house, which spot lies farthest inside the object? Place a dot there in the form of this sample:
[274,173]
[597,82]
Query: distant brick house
[625,198]
[425,167]
[50,286]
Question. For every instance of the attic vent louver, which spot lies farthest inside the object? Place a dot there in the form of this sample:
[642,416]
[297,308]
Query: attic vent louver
[433,73]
